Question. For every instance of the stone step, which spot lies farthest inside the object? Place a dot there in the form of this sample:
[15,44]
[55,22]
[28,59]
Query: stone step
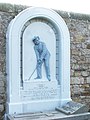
[50,115]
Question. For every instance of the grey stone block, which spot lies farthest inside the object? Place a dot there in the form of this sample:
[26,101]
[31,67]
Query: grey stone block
[73,108]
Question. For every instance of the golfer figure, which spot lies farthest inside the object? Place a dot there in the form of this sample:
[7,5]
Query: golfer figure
[43,56]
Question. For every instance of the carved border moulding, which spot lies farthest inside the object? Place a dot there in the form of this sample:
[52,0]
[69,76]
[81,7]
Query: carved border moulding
[33,96]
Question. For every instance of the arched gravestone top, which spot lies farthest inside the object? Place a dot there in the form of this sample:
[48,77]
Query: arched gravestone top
[41,94]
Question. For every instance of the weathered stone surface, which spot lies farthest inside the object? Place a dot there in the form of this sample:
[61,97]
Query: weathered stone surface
[85,73]
[1,83]
[73,108]
[1,108]
[88,46]
[77,80]
[88,79]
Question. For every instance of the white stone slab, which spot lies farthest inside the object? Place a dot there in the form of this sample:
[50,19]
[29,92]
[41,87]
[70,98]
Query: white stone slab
[21,62]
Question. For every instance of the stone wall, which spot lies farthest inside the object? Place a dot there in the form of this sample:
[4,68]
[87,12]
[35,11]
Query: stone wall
[79,27]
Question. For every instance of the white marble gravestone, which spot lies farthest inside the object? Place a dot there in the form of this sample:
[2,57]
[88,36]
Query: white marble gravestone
[34,95]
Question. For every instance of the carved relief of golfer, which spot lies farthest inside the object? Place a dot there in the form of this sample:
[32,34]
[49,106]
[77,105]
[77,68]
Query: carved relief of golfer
[43,56]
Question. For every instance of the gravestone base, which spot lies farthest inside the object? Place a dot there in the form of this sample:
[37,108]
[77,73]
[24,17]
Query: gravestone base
[70,111]
[36,95]
[50,115]
[41,93]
